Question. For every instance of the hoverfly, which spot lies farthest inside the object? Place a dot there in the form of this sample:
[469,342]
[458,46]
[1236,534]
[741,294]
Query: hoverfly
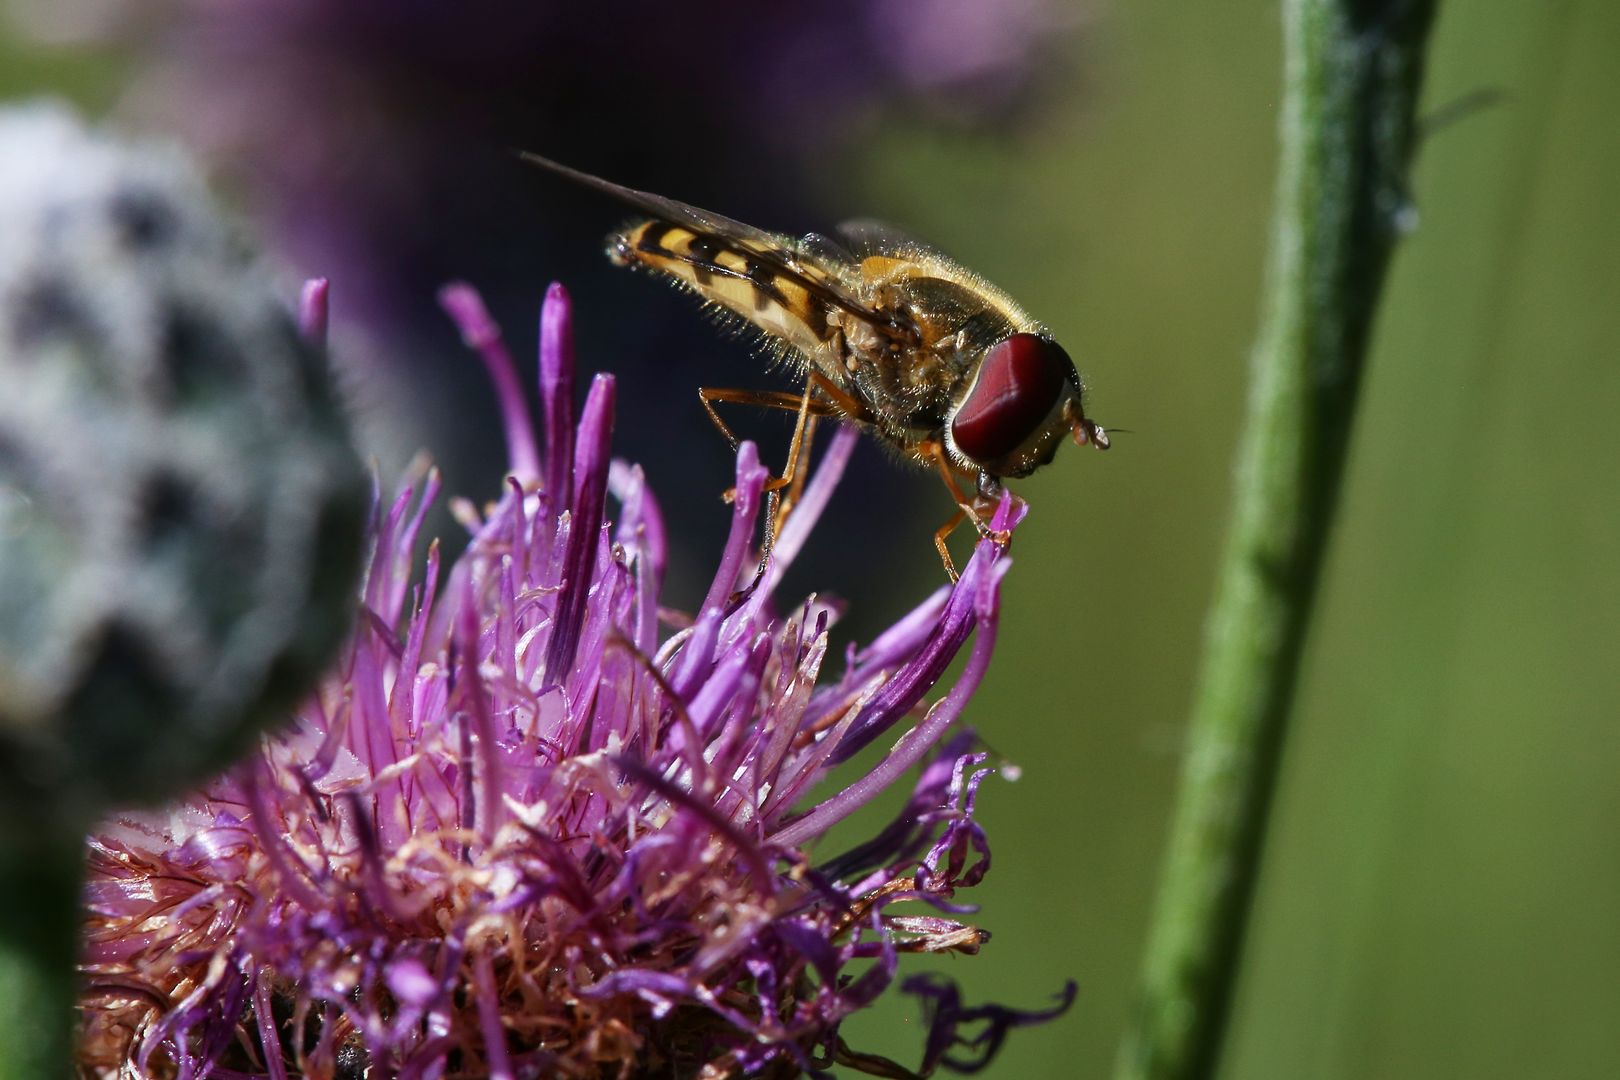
[886,333]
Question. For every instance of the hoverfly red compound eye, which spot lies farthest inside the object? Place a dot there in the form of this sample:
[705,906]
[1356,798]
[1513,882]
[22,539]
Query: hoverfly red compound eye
[1020,381]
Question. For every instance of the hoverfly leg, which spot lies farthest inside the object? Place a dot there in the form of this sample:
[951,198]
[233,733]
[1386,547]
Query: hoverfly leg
[972,509]
[940,535]
[987,496]
[796,446]
[839,403]
[832,402]
[1000,537]
[709,395]
[762,399]
[801,472]
[772,527]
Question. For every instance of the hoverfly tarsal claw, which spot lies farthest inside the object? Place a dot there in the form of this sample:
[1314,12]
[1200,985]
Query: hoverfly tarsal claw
[1000,537]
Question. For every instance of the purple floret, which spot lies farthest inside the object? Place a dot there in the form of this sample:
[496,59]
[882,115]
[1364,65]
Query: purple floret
[515,834]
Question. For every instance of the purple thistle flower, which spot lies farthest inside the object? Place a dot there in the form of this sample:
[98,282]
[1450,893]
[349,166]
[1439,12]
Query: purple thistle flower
[515,834]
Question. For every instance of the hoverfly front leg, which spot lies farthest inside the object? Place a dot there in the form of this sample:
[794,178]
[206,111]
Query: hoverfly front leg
[966,508]
[940,535]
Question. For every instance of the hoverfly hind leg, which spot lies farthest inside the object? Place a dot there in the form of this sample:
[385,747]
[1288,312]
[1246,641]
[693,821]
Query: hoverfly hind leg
[709,395]
[796,448]
[772,527]
[805,404]
[764,399]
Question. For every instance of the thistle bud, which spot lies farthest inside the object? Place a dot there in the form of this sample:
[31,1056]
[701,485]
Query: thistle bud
[180,504]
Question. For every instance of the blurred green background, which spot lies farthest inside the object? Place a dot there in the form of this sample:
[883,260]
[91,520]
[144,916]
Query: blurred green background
[1441,891]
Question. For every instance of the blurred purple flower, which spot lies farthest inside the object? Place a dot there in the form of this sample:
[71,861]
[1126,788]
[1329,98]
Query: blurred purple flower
[514,834]
[374,140]
[348,121]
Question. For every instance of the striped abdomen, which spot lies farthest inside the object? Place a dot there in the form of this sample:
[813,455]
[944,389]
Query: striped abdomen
[763,286]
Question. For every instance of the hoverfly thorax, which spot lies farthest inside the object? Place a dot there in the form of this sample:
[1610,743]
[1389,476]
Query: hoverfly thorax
[1017,406]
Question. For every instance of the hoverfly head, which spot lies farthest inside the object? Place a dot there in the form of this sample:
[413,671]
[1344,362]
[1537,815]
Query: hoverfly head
[1021,402]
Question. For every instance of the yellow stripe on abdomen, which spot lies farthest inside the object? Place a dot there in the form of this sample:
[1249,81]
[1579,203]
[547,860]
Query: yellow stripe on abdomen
[743,282]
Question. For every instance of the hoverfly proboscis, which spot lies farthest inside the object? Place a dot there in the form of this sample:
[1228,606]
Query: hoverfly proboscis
[885,332]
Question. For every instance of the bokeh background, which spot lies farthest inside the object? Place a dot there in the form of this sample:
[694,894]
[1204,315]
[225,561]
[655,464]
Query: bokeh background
[1441,891]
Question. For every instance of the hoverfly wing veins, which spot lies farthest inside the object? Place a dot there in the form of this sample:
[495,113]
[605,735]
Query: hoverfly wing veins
[870,236]
[826,249]
[804,296]
[819,270]
[658,206]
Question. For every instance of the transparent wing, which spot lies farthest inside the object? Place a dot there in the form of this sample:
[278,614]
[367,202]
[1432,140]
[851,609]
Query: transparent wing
[957,303]
[820,269]
[670,210]
[864,237]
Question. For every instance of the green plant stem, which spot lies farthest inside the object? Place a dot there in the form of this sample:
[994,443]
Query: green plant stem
[1350,81]
[40,878]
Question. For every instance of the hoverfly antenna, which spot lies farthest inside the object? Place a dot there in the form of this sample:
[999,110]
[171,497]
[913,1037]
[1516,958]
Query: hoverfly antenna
[1084,430]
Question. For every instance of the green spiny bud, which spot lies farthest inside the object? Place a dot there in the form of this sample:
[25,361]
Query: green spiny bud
[180,504]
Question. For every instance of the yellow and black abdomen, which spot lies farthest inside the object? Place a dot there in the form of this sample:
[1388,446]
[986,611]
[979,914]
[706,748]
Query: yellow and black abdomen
[753,285]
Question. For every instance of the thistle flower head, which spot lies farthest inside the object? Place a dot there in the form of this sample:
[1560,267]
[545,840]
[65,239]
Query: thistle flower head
[517,833]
